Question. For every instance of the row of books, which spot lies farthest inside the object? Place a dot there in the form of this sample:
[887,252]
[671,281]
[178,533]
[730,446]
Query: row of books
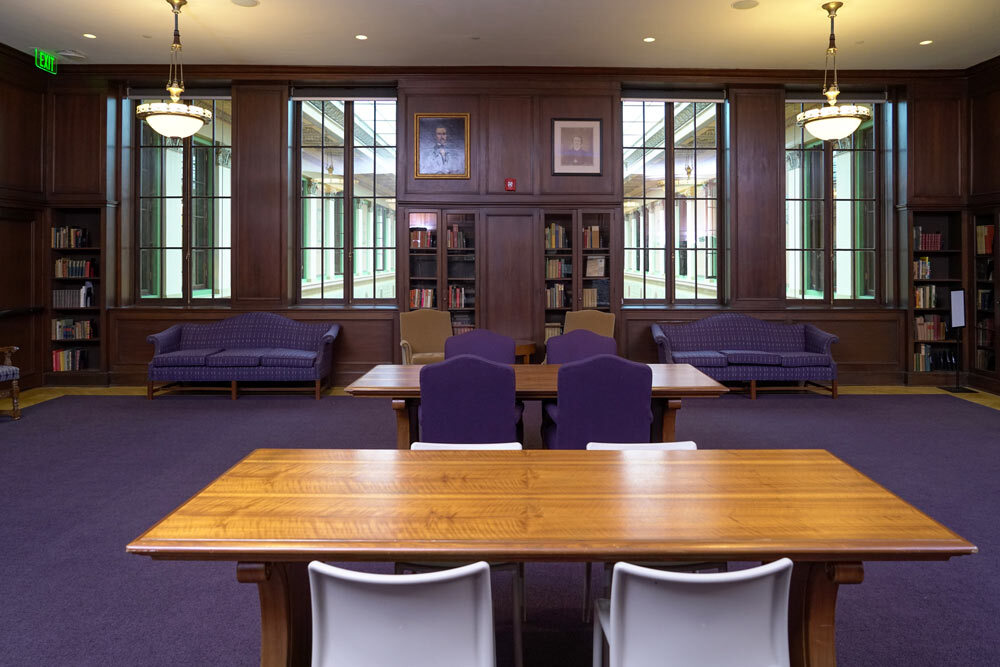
[461,297]
[555,237]
[69,359]
[75,268]
[461,328]
[922,268]
[552,329]
[984,239]
[592,237]
[70,237]
[933,358]
[555,296]
[558,268]
[984,270]
[70,329]
[984,299]
[421,238]
[926,296]
[456,238]
[74,298]
[986,360]
[422,298]
[929,241]
[597,295]
[985,333]
[930,327]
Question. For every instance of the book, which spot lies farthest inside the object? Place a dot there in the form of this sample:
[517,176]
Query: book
[595,267]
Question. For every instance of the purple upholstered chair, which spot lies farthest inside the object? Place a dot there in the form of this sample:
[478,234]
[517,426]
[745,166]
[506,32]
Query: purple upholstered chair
[604,398]
[481,343]
[576,345]
[467,399]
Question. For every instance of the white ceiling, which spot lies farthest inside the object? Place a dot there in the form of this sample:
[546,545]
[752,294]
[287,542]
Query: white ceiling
[784,34]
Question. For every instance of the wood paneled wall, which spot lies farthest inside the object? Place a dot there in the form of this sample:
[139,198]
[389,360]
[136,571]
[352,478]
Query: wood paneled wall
[938,144]
[984,101]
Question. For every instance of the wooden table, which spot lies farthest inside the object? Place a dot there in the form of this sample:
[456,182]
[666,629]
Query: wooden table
[277,509]
[523,349]
[401,383]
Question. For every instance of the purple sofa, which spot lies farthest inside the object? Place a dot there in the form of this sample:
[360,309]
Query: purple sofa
[732,346]
[252,347]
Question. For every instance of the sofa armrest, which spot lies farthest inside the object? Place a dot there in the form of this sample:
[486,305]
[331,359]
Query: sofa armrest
[324,353]
[818,340]
[407,351]
[166,341]
[662,344]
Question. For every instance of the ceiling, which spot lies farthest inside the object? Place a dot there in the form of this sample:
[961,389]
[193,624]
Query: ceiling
[777,34]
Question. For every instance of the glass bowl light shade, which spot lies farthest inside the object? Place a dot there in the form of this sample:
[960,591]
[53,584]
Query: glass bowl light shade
[173,119]
[833,122]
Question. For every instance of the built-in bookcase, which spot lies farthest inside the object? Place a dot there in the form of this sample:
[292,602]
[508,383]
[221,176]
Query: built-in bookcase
[984,294]
[442,264]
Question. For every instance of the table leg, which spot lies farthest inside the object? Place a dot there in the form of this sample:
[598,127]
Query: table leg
[285,613]
[670,408]
[812,607]
[407,422]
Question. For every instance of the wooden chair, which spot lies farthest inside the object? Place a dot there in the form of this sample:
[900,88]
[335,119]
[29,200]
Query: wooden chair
[602,324]
[10,373]
[423,333]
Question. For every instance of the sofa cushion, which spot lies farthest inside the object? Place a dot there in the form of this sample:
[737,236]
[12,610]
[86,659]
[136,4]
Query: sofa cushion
[756,357]
[195,357]
[798,359]
[9,373]
[236,357]
[288,358]
[699,358]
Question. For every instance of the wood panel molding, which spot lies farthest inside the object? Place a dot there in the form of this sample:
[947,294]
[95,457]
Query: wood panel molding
[79,146]
[938,144]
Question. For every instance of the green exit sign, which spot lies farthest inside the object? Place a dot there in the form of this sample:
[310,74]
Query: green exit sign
[45,61]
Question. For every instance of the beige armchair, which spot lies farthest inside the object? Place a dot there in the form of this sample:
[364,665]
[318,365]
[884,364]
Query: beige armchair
[600,323]
[422,334]
[9,373]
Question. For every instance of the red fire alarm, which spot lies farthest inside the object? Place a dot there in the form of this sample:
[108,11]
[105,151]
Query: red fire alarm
[510,184]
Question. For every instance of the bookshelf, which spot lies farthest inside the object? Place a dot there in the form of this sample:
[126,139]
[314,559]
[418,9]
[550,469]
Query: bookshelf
[75,303]
[936,261]
[577,264]
[442,264]
[984,294]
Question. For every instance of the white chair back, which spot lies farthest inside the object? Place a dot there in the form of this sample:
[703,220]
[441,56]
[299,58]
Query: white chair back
[730,619]
[438,619]
[654,446]
[443,446]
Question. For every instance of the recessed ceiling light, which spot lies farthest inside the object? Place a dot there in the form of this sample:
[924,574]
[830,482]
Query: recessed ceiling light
[744,4]
[246,3]
[89,35]
[361,37]
[926,42]
[648,39]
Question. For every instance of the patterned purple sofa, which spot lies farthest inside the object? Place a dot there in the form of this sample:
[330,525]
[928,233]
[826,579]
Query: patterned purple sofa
[252,347]
[732,346]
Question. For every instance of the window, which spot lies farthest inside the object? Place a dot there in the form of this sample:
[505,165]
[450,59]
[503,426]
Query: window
[185,246]
[830,181]
[347,205]
[682,219]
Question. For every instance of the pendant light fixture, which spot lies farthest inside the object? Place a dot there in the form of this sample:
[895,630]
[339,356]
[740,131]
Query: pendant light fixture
[174,118]
[833,121]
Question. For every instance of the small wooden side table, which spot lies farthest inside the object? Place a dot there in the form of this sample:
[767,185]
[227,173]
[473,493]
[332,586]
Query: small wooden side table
[524,349]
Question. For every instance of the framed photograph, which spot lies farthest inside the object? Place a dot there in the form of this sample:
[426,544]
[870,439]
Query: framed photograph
[576,146]
[441,145]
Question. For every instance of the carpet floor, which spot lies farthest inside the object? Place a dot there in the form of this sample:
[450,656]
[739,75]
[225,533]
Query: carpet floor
[81,476]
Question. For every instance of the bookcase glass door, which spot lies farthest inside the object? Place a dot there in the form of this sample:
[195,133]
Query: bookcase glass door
[595,259]
[936,258]
[984,294]
[423,259]
[75,305]
[560,234]
[459,236]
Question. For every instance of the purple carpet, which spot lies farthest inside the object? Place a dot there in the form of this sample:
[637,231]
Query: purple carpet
[82,476]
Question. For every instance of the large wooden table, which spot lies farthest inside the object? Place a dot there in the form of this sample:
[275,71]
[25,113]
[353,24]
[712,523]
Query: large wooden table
[277,509]
[401,383]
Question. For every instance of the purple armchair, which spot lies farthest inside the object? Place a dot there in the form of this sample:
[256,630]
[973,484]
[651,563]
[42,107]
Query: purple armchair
[576,345]
[481,343]
[601,399]
[467,399]
[251,347]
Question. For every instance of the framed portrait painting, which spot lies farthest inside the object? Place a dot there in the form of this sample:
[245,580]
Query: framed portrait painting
[441,145]
[576,146]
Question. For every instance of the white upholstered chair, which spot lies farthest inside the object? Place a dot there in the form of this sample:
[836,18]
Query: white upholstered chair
[452,446]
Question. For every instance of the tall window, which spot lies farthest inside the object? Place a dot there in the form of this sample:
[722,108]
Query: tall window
[671,208]
[830,182]
[185,243]
[347,177]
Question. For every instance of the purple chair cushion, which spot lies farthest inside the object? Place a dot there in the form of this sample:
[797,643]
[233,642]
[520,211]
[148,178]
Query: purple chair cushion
[467,399]
[700,358]
[756,357]
[195,357]
[800,359]
[481,343]
[288,358]
[236,358]
[601,399]
[735,331]
[576,345]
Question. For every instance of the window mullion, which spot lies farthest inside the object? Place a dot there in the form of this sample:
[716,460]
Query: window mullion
[669,204]
[348,197]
